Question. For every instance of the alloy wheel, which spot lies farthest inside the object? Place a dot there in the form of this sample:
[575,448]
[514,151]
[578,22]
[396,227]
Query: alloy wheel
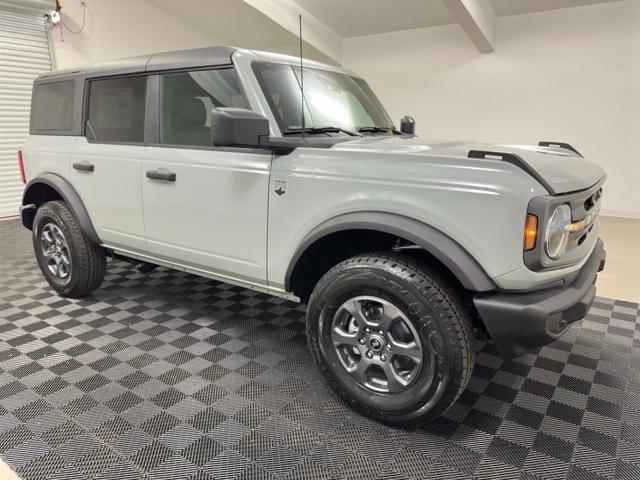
[56,251]
[377,344]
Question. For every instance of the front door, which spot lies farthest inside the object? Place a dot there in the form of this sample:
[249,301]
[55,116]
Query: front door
[204,207]
[105,165]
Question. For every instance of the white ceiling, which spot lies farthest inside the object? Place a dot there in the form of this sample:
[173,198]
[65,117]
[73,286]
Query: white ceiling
[249,23]
[353,18]
[505,8]
[233,22]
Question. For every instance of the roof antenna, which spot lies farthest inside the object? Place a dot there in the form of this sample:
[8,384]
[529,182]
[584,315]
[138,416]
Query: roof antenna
[301,74]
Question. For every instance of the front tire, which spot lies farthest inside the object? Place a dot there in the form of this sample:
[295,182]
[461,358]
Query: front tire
[73,265]
[391,336]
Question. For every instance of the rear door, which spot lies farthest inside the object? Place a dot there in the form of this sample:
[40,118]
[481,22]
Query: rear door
[204,207]
[105,164]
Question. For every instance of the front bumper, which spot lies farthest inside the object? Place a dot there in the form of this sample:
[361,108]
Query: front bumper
[519,322]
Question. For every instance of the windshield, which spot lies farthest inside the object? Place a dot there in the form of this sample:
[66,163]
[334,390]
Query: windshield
[331,99]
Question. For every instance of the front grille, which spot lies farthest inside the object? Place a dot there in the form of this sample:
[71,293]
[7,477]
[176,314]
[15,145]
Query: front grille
[584,208]
[593,200]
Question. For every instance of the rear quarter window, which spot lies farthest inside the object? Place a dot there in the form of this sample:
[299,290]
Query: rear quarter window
[53,106]
[116,109]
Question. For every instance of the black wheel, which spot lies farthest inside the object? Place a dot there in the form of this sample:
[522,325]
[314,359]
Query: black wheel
[391,336]
[72,264]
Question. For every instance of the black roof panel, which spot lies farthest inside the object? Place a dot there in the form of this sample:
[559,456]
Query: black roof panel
[193,58]
[198,57]
[121,66]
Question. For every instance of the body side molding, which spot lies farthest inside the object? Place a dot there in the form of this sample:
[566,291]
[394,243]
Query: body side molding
[69,195]
[463,266]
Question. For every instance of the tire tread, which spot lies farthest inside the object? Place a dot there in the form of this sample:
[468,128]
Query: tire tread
[92,262]
[428,282]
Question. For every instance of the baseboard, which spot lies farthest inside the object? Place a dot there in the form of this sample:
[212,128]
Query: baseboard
[620,214]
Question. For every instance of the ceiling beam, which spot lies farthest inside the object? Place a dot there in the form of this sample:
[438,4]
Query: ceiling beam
[477,19]
[315,33]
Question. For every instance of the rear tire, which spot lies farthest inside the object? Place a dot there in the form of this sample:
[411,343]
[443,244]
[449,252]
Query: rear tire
[392,337]
[73,265]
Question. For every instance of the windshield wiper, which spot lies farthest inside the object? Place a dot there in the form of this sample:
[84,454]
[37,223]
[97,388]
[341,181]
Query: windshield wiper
[293,131]
[378,130]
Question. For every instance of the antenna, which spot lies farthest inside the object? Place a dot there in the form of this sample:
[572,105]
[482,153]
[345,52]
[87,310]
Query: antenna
[301,74]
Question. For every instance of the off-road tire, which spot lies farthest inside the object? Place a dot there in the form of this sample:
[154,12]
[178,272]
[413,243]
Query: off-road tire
[435,309]
[88,260]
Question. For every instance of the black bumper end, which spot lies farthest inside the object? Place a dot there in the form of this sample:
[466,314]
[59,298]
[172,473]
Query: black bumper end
[519,322]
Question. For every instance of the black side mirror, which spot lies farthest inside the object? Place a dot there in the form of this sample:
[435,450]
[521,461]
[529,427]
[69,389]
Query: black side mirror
[238,127]
[408,125]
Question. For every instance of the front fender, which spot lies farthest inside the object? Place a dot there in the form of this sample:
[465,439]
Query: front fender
[463,266]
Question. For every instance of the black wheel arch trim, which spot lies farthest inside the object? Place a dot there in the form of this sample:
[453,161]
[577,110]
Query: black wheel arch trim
[460,262]
[68,194]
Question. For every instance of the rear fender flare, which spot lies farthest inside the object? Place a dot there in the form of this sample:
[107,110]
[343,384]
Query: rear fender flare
[30,202]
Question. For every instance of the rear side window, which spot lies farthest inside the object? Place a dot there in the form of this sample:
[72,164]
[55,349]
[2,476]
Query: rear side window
[186,101]
[53,106]
[116,109]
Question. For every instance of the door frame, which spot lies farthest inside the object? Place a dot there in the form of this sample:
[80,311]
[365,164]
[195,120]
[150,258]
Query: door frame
[152,140]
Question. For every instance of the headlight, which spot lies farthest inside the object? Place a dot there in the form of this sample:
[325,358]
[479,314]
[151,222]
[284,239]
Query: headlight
[557,234]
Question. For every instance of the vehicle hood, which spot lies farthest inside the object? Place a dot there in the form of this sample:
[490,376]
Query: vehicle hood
[563,170]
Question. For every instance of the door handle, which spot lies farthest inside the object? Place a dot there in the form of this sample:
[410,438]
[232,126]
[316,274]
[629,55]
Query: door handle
[161,175]
[84,166]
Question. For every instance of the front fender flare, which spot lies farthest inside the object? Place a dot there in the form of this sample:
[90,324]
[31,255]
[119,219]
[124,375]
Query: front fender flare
[460,262]
[67,193]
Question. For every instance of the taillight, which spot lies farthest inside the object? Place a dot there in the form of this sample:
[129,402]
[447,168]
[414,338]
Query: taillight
[23,177]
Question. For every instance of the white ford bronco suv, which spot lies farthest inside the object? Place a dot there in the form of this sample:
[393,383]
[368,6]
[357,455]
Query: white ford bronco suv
[402,247]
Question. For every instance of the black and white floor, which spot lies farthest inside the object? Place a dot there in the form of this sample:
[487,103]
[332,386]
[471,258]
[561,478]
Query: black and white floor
[171,376]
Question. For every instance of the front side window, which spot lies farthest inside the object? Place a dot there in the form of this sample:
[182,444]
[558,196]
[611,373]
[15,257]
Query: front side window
[116,109]
[53,106]
[332,99]
[186,101]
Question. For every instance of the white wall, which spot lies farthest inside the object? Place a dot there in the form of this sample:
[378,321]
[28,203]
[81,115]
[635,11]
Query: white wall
[568,75]
[124,28]
[119,28]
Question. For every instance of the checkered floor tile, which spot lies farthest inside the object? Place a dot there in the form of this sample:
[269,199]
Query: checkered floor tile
[170,376]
